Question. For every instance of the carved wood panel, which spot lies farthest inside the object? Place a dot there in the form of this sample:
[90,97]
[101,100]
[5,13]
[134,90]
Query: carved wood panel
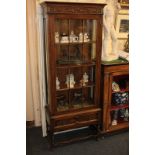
[73,9]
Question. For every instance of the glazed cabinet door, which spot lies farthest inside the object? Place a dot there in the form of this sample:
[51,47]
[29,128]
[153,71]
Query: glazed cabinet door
[76,62]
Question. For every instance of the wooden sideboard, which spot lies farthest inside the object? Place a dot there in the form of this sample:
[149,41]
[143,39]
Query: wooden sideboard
[113,107]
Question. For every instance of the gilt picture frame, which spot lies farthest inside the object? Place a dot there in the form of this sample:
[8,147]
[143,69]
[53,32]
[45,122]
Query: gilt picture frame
[124,4]
[122,26]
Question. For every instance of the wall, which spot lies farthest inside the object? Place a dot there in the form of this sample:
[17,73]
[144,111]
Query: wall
[32,83]
[29,98]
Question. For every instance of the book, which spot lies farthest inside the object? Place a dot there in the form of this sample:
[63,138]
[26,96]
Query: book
[123,55]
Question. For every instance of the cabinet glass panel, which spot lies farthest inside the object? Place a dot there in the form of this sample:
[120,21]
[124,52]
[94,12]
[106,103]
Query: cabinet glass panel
[61,76]
[89,52]
[76,98]
[57,31]
[75,54]
[62,99]
[76,31]
[90,30]
[88,76]
[62,54]
[88,96]
[75,41]
[75,77]
[75,45]
[62,31]
[119,116]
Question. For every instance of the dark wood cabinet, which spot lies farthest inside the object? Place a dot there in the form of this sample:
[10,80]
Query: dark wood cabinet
[115,97]
[73,40]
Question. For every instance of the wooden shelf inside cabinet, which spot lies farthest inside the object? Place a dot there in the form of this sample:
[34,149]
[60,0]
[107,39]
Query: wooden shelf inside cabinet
[121,91]
[74,65]
[77,86]
[118,126]
[89,84]
[76,43]
[119,107]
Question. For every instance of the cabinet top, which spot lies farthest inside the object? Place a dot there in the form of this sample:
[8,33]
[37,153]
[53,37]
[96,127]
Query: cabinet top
[72,8]
[75,1]
[114,62]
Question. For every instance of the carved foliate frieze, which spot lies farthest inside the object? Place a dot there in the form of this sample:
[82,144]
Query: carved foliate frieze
[73,10]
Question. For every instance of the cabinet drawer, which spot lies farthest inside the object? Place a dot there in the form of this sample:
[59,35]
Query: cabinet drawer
[75,121]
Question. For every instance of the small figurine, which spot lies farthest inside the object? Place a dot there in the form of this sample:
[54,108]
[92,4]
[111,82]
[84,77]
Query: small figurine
[86,37]
[57,83]
[115,117]
[114,122]
[85,78]
[56,37]
[64,38]
[73,37]
[70,81]
[115,87]
[81,37]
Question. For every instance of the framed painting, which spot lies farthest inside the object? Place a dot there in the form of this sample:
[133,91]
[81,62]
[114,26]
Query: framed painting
[122,25]
[124,4]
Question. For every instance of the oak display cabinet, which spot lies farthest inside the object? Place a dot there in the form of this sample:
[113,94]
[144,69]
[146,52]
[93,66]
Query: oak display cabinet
[73,38]
[115,97]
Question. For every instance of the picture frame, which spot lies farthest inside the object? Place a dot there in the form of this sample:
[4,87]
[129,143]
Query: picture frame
[122,26]
[124,4]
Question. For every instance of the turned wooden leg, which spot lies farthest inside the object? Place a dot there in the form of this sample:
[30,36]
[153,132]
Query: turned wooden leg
[50,136]
[98,132]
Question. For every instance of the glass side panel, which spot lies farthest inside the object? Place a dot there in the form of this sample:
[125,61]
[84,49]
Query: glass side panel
[89,52]
[90,30]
